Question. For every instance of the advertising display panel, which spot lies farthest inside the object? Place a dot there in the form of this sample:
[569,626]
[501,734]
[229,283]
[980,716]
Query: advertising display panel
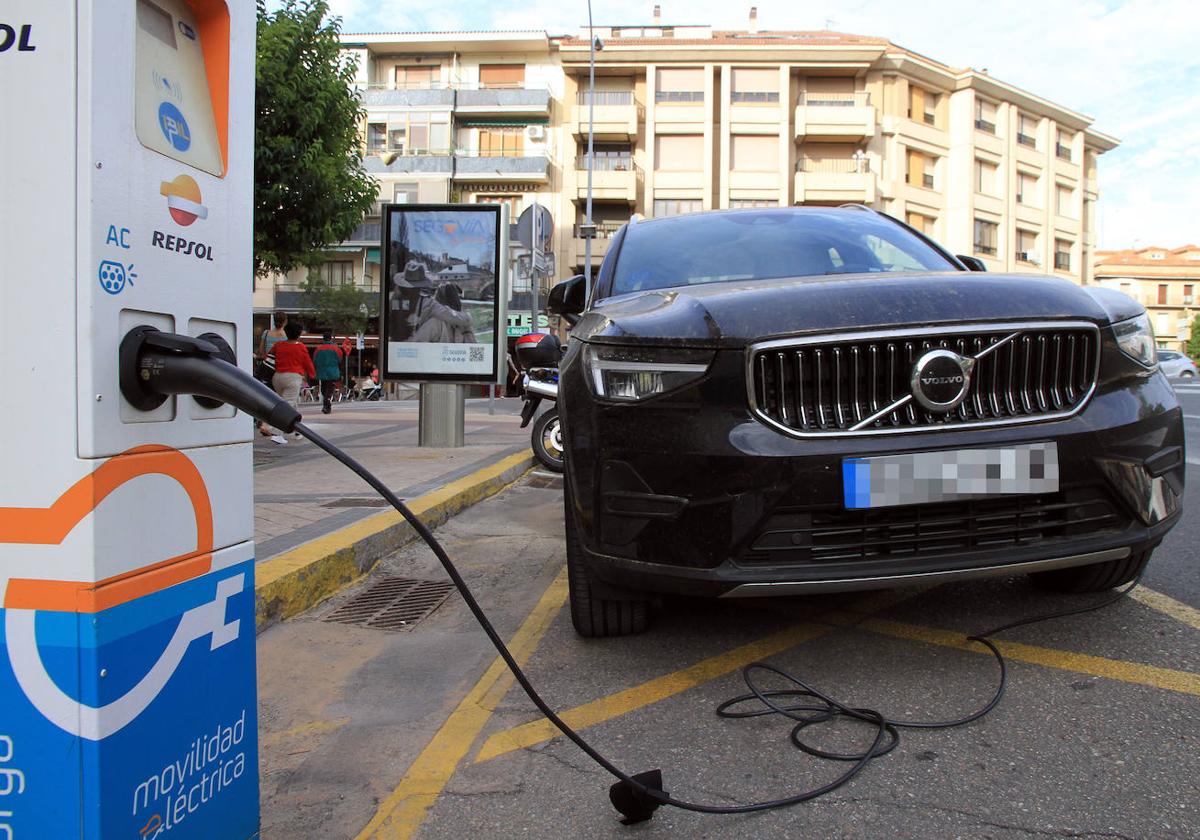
[444,292]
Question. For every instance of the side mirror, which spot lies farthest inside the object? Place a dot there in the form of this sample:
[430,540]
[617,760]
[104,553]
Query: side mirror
[972,263]
[567,299]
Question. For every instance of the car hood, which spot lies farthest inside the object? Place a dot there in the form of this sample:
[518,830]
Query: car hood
[735,312]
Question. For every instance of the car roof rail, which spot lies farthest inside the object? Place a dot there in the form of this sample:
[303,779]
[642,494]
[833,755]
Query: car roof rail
[858,207]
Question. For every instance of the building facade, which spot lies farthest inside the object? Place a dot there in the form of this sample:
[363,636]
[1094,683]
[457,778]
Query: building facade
[1164,280]
[687,118]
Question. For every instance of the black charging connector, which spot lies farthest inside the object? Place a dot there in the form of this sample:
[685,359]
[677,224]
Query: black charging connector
[155,365]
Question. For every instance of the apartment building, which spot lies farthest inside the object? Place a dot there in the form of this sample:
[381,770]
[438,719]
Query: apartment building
[688,118]
[1164,280]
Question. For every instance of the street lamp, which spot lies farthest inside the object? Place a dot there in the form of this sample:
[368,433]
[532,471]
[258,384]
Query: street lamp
[589,229]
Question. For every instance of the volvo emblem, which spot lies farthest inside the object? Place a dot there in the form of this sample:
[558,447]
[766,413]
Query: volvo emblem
[941,379]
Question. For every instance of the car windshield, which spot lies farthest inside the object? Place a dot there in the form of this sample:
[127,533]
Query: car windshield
[764,244]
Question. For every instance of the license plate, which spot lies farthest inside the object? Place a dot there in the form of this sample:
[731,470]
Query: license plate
[916,478]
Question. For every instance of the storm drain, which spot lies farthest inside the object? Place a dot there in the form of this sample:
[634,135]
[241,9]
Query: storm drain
[393,603]
[354,502]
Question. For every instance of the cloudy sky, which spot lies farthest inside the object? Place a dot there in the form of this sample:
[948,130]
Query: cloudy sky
[1134,66]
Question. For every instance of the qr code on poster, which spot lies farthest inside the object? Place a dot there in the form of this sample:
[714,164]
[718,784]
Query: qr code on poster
[477,354]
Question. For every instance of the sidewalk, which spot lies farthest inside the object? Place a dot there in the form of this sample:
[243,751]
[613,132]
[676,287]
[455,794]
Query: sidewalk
[317,526]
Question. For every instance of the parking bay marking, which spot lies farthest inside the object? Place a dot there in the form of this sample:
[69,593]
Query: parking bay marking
[401,813]
[1080,663]
[1167,605]
[660,688]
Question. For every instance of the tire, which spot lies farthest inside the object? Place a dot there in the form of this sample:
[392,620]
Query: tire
[1187,374]
[596,617]
[546,440]
[1094,578]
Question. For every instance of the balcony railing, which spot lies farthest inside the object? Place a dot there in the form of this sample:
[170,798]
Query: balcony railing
[833,166]
[679,96]
[506,162]
[1027,140]
[418,94]
[754,96]
[604,230]
[1062,260]
[930,119]
[989,250]
[605,97]
[984,125]
[606,164]
[927,181]
[1062,152]
[861,99]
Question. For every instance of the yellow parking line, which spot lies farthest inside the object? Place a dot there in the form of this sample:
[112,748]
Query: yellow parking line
[402,811]
[1167,605]
[660,688]
[1097,666]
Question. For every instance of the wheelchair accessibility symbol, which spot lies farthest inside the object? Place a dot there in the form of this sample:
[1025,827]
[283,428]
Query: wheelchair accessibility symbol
[23,598]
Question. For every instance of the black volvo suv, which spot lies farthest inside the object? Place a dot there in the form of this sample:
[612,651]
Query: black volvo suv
[793,400]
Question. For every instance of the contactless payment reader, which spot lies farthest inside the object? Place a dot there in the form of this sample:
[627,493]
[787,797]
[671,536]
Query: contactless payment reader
[127,623]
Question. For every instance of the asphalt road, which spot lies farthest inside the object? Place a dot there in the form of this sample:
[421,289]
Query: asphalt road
[411,734]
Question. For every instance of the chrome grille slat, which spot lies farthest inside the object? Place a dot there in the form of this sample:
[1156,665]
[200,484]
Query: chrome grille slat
[850,384]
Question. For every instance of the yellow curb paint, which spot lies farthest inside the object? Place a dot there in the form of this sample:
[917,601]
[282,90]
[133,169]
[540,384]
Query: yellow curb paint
[316,727]
[1167,606]
[1096,666]
[660,688]
[400,814]
[295,580]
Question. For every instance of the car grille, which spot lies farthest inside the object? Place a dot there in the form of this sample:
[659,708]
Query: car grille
[797,537]
[851,385]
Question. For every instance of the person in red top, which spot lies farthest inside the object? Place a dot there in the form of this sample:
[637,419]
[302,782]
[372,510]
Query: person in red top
[292,366]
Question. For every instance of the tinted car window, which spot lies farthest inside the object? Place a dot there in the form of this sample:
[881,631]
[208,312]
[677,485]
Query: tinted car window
[763,244]
[1168,354]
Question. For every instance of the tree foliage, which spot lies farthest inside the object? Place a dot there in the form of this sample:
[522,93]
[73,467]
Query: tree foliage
[339,308]
[1193,345]
[310,187]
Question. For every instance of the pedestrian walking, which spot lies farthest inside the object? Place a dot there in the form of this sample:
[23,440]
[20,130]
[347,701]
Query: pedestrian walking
[328,361]
[292,366]
[264,370]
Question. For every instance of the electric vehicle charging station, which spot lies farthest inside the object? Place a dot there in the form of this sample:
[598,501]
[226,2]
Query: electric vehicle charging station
[127,675]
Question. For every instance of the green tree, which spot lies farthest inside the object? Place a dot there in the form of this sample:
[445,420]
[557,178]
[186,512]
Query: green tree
[1193,345]
[310,187]
[345,308]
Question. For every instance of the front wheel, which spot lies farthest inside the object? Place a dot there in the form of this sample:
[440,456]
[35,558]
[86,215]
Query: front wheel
[547,441]
[1096,577]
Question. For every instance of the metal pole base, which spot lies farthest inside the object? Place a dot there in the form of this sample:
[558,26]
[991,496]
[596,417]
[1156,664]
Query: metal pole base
[441,415]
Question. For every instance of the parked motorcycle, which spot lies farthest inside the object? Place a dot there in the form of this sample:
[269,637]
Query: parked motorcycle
[538,355]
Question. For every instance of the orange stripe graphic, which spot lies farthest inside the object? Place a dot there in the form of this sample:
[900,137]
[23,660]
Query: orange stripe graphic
[50,526]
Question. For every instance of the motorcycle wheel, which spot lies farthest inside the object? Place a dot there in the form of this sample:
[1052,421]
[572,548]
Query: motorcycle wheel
[547,441]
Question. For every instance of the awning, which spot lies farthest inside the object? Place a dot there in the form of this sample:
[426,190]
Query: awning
[468,123]
[373,255]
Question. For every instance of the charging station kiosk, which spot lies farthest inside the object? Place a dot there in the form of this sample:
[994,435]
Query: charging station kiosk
[127,666]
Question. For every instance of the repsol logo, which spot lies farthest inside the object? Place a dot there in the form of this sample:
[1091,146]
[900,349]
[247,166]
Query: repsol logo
[180,245]
[942,380]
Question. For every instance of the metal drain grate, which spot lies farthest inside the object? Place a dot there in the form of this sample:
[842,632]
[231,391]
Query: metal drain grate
[393,603]
[355,502]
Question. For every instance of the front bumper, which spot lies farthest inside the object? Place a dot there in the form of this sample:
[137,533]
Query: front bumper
[689,494]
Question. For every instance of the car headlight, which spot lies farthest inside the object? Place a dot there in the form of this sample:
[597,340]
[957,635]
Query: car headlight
[628,374]
[1135,337]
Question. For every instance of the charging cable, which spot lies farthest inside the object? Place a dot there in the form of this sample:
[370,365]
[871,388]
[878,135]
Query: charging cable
[155,365]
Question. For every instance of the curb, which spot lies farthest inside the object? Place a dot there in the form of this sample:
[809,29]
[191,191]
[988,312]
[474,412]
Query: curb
[294,581]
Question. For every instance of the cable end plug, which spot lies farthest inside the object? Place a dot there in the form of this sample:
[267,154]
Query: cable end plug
[635,806]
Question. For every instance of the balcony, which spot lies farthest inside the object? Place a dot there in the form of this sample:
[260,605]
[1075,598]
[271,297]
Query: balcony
[502,100]
[604,234]
[616,118]
[835,116]
[613,179]
[430,163]
[521,166]
[834,180]
[985,125]
[1027,140]
[385,95]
